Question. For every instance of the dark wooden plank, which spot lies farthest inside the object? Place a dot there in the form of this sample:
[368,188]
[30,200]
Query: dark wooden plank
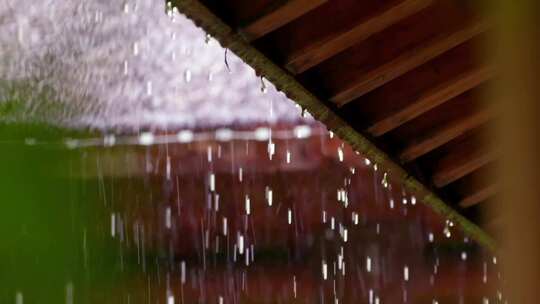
[320,50]
[408,61]
[400,93]
[460,162]
[277,17]
[442,134]
[432,98]
[239,12]
[479,195]
[344,69]
[320,24]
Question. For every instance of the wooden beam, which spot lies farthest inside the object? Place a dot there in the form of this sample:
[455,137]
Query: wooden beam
[443,134]
[456,165]
[432,98]
[408,61]
[321,50]
[479,195]
[278,17]
[284,82]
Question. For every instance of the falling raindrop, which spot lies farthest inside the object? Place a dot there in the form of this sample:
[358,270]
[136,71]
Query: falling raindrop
[406,273]
[225,226]
[340,154]
[212,182]
[69,293]
[289,216]
[187,76]
[168,218]
[269,195]
[19,298]
[324,270]
[136,49]
[264,88]
[248,205]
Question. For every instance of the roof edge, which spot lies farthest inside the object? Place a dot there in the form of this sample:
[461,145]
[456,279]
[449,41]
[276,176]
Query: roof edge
[286,83]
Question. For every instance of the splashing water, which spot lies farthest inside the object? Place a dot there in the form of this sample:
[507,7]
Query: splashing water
[122,64]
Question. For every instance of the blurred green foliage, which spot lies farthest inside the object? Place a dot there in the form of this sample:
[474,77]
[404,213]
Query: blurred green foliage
[53,226]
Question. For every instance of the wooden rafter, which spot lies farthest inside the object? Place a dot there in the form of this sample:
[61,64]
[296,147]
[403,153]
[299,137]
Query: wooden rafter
[278,17]
[318,51]
[479,195]
[285,82]
[457,165]
[445,133]
[432,98]
[407,62]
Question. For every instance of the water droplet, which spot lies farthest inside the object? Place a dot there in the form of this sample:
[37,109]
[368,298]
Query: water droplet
[19,298]
[262,134]
[264,88]
[289,216]
[185,136]
[69,293]
[146,139]
[183,272]
[30,141]
[406,273]
[136,49]
[109,140]
[212,182]
[324,270]
[240,244]
[302,131]
[149,88]
[294,286]
[225,226]
[187,76]
[168,223]
[340,154]
[113,224]
[209,153]
[269,195]
[248,205]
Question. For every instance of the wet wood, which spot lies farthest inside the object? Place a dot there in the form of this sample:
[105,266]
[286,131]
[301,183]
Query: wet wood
[479,195]
[432,98]
[445,133]
[408,61]
[406,97]
[320,50]
[277,17]
[459,163]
